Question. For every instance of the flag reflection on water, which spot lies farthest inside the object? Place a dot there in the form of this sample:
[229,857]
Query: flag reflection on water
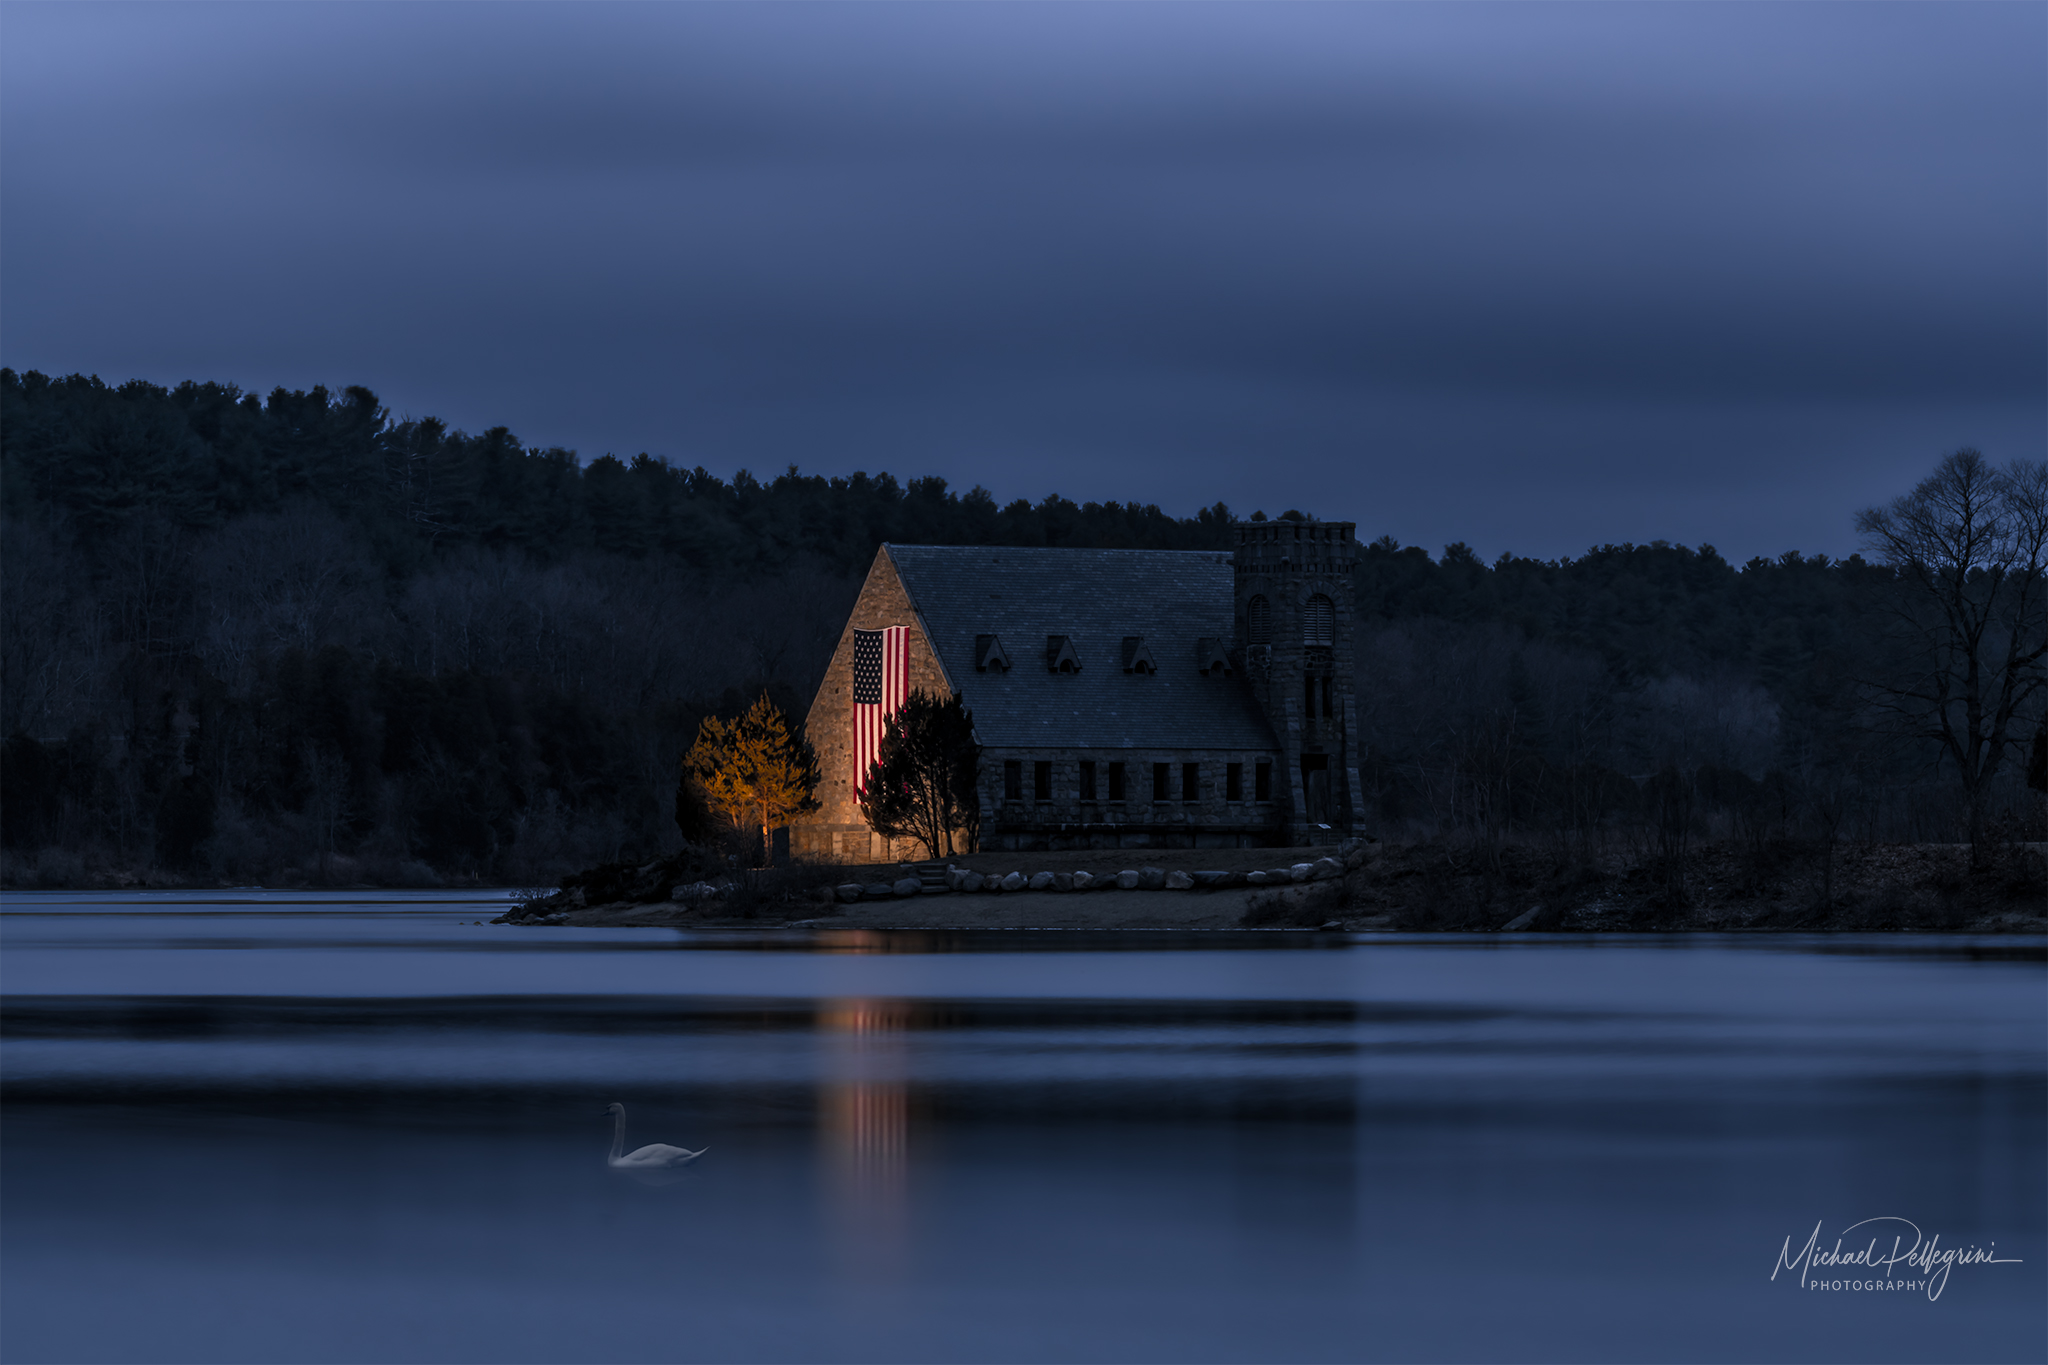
[864,1129]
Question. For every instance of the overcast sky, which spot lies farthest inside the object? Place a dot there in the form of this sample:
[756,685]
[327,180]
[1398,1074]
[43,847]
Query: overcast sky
[1533,277]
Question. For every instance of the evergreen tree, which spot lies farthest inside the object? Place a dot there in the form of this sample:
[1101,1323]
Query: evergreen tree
[922,786]
[754,769]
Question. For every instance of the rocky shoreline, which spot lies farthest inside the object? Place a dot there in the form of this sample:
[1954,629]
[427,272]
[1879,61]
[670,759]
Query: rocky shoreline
[967,897]
[1363,886]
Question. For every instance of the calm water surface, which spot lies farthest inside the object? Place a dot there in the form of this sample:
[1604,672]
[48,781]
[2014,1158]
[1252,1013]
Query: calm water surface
[246,1126]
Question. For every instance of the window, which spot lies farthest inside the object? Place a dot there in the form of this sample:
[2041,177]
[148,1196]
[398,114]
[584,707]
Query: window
[1328,710]
[1190,781]
[1319,621]
[1162,781]
[1087,779]
[1116,781]
[1233,782]
[1041,780]
[1258,620]
[1262,782]
[1308,697]
[1013,780]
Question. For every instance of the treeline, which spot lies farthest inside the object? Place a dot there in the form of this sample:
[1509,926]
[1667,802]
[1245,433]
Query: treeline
[1653,692]
[202,456]
[255,638]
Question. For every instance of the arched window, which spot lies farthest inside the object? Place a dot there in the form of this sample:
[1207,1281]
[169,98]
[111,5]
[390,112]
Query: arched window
[1258,619]
[1319,621]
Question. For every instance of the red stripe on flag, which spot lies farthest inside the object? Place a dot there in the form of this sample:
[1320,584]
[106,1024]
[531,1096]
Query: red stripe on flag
[871,722]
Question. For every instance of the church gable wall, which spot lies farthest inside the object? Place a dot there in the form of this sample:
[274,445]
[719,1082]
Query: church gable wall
[838,831]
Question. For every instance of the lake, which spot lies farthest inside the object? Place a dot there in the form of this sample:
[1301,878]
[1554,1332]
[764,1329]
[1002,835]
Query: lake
[289,1126]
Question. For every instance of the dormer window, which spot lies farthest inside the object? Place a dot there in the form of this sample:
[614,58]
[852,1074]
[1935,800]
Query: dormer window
[1212,660]
[988,653]
[1137,658]
[1060,656]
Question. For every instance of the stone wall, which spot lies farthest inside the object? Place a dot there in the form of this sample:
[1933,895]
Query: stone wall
[1066,820]
[838,832]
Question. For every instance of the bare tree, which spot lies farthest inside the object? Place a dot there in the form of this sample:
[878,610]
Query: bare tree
[300,579]
[53,655]
[1969,550]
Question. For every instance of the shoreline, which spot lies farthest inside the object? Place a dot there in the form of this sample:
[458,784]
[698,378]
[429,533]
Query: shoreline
[1417,888]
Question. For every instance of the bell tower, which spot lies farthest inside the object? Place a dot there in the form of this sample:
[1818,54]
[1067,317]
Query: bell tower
[1295,629]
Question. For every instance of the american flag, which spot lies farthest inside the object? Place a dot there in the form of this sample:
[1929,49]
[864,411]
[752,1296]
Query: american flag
[881,680]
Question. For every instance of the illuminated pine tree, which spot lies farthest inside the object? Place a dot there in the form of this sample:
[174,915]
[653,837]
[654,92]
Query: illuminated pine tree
[754,770]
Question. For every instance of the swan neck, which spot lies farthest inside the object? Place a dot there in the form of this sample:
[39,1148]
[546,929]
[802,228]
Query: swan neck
[618,1134]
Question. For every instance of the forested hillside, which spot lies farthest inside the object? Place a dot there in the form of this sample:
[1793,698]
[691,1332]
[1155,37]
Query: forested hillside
[259,638]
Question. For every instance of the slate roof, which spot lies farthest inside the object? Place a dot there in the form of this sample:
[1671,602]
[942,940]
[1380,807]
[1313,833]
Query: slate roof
[1097,597]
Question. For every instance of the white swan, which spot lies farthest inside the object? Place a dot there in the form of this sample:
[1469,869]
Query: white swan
[655,1156]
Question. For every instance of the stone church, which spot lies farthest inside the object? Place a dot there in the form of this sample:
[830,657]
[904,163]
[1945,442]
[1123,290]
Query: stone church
[1122,698]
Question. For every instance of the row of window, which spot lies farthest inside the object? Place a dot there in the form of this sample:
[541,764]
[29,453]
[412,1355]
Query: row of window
[1115,778]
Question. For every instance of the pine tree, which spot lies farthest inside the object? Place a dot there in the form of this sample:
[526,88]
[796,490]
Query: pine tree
[922,786]
[754,770]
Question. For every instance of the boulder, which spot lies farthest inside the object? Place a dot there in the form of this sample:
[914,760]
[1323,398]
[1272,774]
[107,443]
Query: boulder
[1040,881]
[1301,872]
[1083,880]
[1151,878]
[849,893]
[1127,879]
[1014,882]
[1207,880]
[1179,881]
[1326,868]
[1255,878]
[1061,881]
[1275,875]
[970,880]
[954,876]
[879,891]
[907,886]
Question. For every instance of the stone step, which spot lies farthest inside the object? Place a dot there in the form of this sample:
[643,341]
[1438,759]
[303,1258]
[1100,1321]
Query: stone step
[932,875]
